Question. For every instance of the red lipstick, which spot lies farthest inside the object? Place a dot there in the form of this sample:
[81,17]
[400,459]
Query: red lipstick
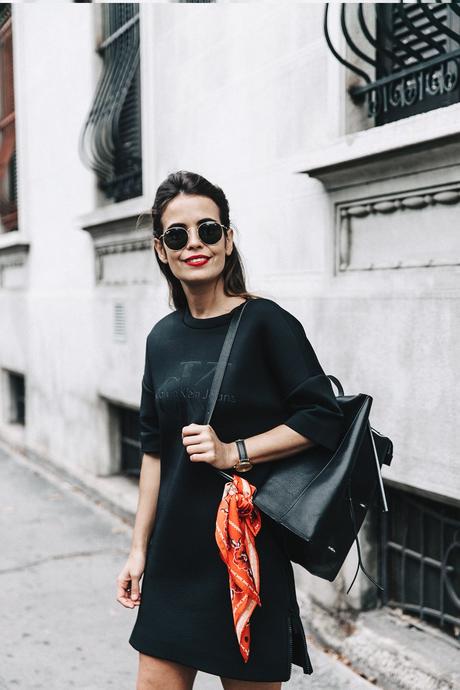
[200,260]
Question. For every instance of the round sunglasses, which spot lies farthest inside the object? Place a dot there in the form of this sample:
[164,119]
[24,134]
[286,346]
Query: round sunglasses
[176,237]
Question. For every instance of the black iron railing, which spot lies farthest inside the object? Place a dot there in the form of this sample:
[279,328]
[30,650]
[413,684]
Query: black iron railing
[420,559]
[111,143]
[406,55]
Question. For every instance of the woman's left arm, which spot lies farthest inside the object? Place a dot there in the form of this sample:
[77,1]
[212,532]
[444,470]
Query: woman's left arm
[313,414]
[276,443]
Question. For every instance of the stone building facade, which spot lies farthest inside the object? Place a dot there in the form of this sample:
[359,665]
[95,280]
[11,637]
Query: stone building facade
[347,220]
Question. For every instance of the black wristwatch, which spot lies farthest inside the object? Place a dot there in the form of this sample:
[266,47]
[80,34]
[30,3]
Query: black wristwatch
[243,464]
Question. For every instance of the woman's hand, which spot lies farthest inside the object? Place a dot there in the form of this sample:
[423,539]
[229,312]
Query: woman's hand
[203,445]
[128,592]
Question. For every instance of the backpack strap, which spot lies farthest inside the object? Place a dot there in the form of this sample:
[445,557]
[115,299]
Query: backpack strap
[220,371]
[360,561]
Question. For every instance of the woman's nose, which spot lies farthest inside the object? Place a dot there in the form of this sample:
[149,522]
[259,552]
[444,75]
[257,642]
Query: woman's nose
[193,237]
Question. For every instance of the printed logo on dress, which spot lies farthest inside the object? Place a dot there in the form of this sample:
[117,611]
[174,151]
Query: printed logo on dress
[193,384]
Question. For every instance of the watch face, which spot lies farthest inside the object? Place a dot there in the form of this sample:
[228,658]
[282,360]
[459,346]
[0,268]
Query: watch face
[243,465]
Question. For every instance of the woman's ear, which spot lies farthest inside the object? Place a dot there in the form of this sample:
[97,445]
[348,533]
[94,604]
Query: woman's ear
[160,250]
[229,241]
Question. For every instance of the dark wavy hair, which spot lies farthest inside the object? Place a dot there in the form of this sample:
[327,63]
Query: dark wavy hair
[193,183]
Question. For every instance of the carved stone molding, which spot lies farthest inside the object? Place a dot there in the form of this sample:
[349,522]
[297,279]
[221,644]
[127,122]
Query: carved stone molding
[393,208]
[366,243]
[121,237]
[13,259]
[411,201]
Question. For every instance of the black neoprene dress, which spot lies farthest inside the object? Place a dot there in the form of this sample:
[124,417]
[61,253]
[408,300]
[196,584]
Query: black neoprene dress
[273,377]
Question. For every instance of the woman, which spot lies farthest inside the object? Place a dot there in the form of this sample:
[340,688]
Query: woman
[274,397]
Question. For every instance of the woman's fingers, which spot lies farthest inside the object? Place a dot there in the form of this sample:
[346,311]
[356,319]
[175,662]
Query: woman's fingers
[123,592]
[128,592]
[135,593]
[200,441]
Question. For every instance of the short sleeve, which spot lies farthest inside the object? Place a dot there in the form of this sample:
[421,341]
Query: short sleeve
[307,393]
[148,416]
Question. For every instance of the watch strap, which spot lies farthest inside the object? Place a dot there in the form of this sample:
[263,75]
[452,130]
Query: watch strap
[242,452]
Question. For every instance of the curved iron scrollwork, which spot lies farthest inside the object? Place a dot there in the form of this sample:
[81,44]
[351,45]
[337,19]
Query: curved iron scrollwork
[420,559]
[110,141]
[407,55]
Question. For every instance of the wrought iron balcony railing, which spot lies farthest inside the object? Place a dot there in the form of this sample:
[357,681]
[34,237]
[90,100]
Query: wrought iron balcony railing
[110,142]
[406,55]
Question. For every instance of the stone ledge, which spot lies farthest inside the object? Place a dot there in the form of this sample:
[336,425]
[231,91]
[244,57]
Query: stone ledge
[395,651]
[112,212]
[14,240]
[425,130]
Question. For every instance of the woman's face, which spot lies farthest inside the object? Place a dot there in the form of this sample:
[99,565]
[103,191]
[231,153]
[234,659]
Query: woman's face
[190,210]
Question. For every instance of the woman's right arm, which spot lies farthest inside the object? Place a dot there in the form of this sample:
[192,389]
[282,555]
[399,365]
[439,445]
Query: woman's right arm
[128,592]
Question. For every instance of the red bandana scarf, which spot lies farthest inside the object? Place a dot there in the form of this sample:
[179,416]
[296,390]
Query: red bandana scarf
[237,525]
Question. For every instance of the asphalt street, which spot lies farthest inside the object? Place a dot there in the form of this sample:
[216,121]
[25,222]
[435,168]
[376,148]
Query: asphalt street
[61,626]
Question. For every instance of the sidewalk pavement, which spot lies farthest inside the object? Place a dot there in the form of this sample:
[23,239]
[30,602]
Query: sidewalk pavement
[61,624]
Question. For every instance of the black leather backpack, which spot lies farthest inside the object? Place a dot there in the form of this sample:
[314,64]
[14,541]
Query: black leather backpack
[319,497]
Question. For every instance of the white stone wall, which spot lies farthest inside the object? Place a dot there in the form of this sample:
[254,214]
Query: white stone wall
[50,336]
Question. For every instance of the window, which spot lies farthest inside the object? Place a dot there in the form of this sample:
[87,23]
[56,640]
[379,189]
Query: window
[406,56]
[420,559]
[8,181]
[128,435]
[17,411]
[110,142]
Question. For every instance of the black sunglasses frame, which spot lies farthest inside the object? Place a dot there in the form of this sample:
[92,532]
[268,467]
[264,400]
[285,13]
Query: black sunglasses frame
[186,230]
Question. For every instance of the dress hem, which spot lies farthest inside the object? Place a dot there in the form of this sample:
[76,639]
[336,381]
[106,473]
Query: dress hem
[160,651]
